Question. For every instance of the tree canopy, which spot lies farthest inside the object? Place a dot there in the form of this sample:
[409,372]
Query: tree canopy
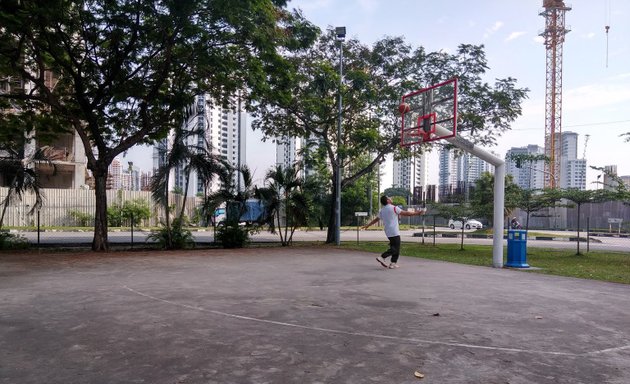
[122,72]
[374,79]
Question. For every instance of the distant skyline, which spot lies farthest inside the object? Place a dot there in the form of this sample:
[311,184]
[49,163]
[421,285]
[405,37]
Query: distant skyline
[596,83]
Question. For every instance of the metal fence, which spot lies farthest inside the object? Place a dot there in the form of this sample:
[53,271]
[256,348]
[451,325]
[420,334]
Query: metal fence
[67,215]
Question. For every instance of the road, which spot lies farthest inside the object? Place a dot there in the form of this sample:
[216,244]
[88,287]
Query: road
[614,244]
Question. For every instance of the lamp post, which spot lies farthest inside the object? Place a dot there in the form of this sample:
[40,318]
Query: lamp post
[341,34]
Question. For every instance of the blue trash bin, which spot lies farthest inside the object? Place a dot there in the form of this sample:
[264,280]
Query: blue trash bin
[517,249]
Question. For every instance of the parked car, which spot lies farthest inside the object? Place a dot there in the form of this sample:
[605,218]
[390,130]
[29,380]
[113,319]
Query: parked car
[470,224]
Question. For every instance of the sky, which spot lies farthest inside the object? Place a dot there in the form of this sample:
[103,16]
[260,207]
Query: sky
[596,65]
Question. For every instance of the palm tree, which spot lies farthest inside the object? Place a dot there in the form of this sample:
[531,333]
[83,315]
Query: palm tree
[189,158]
[229,195]
[18,167]
[284,195]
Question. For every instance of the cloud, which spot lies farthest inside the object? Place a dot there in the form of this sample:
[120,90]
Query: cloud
[595,97]
[490,31]
[539,39]
[589,35]
[515,35]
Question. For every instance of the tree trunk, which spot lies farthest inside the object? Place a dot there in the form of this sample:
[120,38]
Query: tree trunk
[330,235]
[181,213]
[100,243]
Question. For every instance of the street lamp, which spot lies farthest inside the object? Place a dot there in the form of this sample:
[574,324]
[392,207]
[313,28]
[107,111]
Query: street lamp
[341,35]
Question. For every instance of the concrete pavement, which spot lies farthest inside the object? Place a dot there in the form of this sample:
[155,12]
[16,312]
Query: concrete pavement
[302,315]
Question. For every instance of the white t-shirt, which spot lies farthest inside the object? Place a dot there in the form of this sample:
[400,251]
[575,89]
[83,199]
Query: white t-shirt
[389,215]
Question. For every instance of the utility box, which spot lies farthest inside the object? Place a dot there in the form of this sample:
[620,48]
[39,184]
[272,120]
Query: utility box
[517,249]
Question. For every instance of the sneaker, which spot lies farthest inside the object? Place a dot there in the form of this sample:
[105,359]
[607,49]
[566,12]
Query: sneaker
[382,261]
[393,265]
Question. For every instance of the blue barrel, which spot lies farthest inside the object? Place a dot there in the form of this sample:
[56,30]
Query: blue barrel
[517,249]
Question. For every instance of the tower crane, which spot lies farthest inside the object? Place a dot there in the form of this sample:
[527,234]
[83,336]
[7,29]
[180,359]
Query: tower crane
[555,30]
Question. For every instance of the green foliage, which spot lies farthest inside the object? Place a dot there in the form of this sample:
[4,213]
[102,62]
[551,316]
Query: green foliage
[399,200]
[138,209]
[232,236]
[173,237]
[374,79]
[12,241]
[533,201]
[285,201]
[520,158]
[483,196]
[81,218]
[124,72]
[401,192]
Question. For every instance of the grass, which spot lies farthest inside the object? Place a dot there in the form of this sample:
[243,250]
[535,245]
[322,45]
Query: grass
[596,265]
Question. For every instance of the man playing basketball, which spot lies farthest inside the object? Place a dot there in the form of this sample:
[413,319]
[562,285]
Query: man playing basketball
[389,214]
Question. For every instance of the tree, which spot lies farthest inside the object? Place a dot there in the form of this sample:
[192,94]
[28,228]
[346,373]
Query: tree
[374,79]
[483,196]
[393,191]
[231,235]
[123,71]
[533,201]
[578,197]
[283,196]
[459,211]
[187,154]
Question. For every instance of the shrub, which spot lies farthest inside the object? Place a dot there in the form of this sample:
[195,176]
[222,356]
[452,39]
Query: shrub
[181,238]
[11,241]
[81,218]
[232,236]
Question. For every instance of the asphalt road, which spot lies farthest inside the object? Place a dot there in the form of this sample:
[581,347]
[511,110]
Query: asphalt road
[614,244]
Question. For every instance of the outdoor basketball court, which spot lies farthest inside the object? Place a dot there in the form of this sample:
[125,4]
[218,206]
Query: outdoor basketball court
[302,315]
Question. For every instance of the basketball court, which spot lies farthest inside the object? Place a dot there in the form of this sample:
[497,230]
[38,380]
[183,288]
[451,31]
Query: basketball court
[302,315]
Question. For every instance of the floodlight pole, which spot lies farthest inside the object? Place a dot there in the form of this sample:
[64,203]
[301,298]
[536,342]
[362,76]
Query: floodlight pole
[341,34]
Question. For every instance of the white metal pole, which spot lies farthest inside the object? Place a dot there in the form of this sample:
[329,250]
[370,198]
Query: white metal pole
[499,189]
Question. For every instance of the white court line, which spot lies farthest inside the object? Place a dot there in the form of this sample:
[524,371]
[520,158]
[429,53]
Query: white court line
[377,336]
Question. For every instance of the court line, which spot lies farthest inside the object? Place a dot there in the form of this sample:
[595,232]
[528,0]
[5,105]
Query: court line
[378,336]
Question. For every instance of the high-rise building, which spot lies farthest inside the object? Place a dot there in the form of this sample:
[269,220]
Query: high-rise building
[411,172]
[287,151]
[458,172]
[609,172]
[115,170]
[531,174]
[572,169]
[220,133]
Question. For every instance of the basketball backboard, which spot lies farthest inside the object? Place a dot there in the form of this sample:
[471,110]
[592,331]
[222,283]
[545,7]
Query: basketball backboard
[425,110]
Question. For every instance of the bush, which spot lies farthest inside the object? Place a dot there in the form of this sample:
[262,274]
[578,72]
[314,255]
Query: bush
[232,236]
[11,241]
[118,216]
[181,238]
[81,218]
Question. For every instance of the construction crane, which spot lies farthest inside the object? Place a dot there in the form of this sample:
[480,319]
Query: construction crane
[555,30]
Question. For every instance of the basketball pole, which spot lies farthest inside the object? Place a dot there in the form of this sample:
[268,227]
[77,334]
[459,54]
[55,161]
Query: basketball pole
[499,189]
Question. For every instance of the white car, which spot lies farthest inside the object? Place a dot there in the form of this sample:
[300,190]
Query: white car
[470,224]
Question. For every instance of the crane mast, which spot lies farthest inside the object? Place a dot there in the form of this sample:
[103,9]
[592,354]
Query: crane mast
[555,30]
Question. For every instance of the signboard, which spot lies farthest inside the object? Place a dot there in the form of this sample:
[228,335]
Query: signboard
[615,221]
[360,213]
